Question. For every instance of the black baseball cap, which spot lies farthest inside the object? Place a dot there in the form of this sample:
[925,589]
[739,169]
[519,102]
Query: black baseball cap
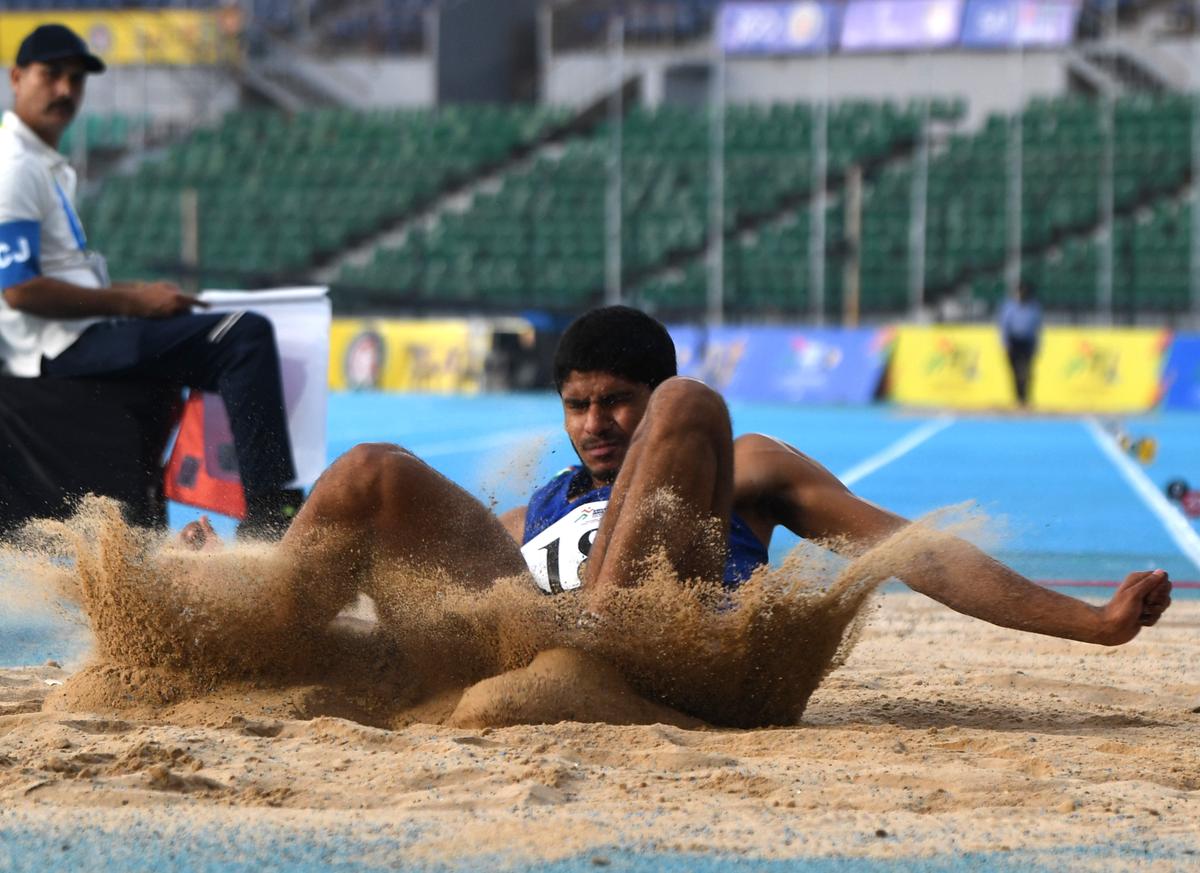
[56,42]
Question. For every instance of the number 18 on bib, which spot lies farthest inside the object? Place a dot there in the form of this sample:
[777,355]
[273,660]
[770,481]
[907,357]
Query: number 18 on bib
[557,555]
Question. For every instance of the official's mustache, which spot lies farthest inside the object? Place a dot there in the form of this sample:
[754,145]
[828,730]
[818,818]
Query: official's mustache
[62,103]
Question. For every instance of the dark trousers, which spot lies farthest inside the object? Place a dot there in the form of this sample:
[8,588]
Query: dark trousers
[63,438]
[231,354]
[1020,357]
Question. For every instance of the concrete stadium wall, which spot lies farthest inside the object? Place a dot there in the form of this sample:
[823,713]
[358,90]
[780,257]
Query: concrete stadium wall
[578,78]
[989,81]
[381,82]
[178,94]
[190,94]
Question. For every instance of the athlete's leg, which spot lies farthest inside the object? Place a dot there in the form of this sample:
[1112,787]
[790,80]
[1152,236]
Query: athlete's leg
[380,505]
[684,444]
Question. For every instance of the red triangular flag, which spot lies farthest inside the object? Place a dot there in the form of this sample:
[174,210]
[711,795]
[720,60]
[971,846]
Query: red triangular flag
[203,470]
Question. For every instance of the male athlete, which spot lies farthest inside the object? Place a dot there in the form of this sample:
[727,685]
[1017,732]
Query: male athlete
[638,428]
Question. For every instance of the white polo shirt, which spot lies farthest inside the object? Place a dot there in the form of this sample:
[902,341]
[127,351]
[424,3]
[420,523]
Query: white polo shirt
[40,235]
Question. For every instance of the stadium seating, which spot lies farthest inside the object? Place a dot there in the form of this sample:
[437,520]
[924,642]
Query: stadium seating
[1151,265]
[101,132]
[1155,262]
[765,274]
[277,193]
[541,237]
[1061,210]
[966,219]
[966,231]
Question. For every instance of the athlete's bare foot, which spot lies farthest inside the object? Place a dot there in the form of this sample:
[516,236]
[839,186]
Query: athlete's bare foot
[1139,602]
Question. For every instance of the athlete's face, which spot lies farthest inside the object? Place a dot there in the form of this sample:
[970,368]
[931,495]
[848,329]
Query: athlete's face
[46,96]
[600,412]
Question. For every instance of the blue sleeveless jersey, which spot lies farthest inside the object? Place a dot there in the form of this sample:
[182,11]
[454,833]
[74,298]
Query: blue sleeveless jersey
[553,501]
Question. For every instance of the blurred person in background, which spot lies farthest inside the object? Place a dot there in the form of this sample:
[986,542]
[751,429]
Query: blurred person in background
[1020,328]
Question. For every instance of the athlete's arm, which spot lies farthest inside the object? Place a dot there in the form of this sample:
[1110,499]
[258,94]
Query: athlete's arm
[776,484]
[47,297]
[514,522]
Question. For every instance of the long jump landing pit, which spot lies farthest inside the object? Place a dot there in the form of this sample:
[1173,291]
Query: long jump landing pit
[942,743]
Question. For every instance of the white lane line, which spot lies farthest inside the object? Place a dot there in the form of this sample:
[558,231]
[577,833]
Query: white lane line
[1177,526]
[896,450]
[475,444]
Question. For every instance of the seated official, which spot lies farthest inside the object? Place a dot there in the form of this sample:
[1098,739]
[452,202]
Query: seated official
[61,317]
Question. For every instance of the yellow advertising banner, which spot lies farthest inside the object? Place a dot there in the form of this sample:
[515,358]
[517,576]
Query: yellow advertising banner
[166,37]
[951,366]
[440,356]
[1098,369]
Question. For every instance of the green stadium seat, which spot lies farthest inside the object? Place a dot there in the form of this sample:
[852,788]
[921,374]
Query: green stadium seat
[263,175]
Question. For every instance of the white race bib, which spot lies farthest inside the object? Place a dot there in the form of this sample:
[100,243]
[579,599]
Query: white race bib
[556,556]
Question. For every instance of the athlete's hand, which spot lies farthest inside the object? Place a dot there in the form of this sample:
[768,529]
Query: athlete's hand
[156,300]
[199,535]
[1139,602]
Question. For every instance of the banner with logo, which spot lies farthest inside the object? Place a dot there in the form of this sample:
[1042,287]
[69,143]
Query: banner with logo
[444,356]
[898,25]
[750,28]
[786,364]
[1181,379]
[953,366]
[163,37]
[1012,23]
[1081,369]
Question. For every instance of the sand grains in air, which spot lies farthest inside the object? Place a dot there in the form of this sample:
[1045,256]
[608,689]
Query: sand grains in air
[173,627]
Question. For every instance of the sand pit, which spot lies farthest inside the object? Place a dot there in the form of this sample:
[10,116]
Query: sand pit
[938,734]
[945,734]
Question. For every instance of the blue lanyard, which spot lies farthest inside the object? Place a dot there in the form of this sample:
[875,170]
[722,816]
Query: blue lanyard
[72,218]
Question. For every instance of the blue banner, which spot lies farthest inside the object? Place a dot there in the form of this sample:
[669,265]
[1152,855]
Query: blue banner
[804,27]
[1012,23]
[786,364]
[888,25]
[1181,378]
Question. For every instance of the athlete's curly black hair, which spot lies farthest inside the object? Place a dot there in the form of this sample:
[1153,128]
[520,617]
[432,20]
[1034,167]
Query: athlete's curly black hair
[618,340]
